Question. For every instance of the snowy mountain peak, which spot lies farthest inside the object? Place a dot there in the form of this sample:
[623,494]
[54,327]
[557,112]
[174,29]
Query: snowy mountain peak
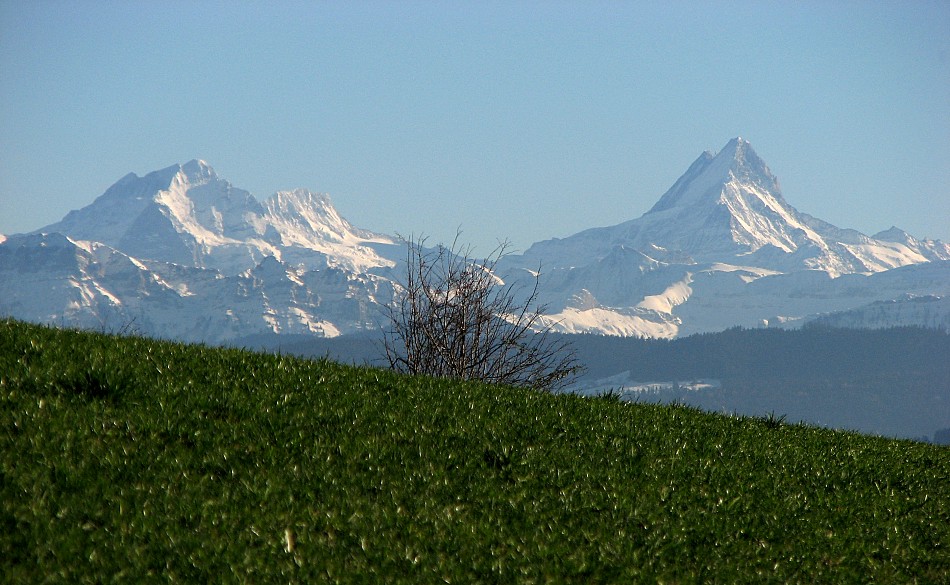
[299,201]
[198,171]
[742,157]
[301,216]
[894,234]
[187,215]
[747,165]
[735,147]
[703,182]
[728,209]
[197,166]
[308,222]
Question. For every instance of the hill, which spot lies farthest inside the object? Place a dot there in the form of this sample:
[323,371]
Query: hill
[893,382]
[135,459]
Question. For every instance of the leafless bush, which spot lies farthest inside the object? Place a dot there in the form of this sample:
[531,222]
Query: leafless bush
[453,317]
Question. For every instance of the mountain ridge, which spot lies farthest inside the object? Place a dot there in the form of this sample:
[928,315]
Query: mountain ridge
[186,214]
[185,253]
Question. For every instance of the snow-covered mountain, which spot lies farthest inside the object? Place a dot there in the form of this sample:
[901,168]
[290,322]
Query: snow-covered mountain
[181,253]
[721,247]
[187,215]
[728,208]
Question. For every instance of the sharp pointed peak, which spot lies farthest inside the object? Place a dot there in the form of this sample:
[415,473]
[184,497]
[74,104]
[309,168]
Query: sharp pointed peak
[736,148]
[197,169]
[196,163]
[744,162]
[704,179]
[893,234]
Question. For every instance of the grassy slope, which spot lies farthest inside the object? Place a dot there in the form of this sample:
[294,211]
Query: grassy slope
[123,458]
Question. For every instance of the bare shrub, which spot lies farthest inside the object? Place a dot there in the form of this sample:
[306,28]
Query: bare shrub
[453,317]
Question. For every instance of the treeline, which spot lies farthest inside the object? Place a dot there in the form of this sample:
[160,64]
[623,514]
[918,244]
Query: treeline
[810,353]
[892,382]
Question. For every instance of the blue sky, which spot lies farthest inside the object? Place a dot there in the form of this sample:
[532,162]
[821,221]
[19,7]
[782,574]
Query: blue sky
[519,121]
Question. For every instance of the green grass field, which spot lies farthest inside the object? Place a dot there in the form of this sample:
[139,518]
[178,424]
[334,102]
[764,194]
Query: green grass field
[133,460]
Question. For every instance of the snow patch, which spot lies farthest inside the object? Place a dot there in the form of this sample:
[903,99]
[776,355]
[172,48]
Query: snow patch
[621,322]
[749,273]
[675,294]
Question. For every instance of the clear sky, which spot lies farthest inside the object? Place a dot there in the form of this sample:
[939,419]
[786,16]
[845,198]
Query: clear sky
[519,121]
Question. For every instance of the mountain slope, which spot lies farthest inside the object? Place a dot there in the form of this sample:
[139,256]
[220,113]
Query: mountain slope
[307,222]
[49,278]
[930,311]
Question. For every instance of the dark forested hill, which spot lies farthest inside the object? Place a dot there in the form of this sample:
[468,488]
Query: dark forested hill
[893,382]
[808,353]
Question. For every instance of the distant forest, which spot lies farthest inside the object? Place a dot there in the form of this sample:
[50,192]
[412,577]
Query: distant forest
[813,352]
[892,382]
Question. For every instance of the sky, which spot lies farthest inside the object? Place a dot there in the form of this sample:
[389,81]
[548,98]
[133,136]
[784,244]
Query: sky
[512,121]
